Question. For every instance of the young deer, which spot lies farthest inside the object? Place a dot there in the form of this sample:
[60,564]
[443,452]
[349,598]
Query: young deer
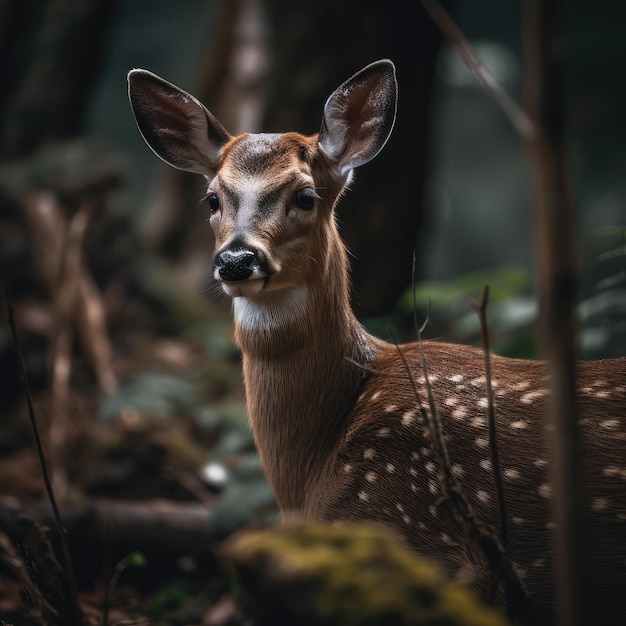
[334,412]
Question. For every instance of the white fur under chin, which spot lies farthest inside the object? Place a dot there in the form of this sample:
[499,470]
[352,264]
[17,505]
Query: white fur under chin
[272,310]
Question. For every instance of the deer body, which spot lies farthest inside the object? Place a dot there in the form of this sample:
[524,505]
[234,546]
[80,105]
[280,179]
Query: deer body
[336,416]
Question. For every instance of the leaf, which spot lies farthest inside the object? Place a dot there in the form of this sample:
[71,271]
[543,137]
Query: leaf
[150,393]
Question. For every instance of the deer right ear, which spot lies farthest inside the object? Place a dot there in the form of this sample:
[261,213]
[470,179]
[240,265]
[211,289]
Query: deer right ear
[175,125]
[359,116]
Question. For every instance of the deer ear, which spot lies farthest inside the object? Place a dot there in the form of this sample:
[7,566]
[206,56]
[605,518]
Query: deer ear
[359,116]
[177,127]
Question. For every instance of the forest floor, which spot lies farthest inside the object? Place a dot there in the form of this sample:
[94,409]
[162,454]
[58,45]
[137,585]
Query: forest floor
[150,480]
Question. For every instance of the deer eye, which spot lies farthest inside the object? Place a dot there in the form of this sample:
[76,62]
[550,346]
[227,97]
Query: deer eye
[305,199]
[213,201]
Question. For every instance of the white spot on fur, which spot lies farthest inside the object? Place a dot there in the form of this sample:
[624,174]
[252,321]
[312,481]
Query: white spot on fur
[540,463]
[483,403]
[511,474]
[371,477]
[414,488]
[431,468]
[519,425]
[270,311]
[613,471]
[400,507]
[433,487]
[369,454]
[390,408]
[478,422]
[518,520]
[600,504]
[406,519]
[477,382]
[483,496]
[610,424]
[433,511]
[459,413]
[415,456]
[457,470]
[347,468]
[408,418]
[531,396]
[384,432]
[521,386]
[451,401]
[481,442]
[375,396]
[390,467]
[538,563]
[486,464]
[363,497]
[545,490]
[457,378]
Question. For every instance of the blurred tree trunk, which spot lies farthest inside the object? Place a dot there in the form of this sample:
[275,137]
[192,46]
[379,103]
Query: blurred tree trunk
[50,53]
[314,47]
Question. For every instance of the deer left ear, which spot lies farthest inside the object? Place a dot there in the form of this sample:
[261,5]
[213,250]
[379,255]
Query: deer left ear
[359,116]
[177,127]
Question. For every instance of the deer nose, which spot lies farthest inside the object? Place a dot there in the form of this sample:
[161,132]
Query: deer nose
[233,265]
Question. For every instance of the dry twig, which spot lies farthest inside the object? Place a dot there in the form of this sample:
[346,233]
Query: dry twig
[481,309]
[67,559]
[522,123]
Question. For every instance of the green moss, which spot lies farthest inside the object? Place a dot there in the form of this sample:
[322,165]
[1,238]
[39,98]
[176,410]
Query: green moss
[348,576]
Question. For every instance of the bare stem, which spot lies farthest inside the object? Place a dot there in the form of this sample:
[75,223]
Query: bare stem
[522,123]
[69,569]
[481,309]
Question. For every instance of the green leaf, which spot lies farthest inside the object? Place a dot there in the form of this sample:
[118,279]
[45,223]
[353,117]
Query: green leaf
[150,393]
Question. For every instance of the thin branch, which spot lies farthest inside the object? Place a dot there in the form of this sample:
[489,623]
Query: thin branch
[516,115]
[514,592]
[481,309]
[69,569]
[134,558]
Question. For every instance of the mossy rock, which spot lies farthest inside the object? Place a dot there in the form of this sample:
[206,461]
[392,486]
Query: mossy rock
[309,575]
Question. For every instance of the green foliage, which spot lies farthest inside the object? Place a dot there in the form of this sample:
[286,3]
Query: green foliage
[150,393]
[504,283]
[346,576]
[156,280]
[245,497]
[448,304]
[137,559]
[170,598]
[603,314]
[619,235]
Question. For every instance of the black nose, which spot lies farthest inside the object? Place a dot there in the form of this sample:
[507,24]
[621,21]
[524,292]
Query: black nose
[235,265]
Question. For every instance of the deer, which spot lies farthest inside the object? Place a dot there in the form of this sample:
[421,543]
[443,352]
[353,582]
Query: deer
[338,414]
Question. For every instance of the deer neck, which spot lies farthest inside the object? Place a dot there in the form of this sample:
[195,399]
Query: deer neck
[300,348]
